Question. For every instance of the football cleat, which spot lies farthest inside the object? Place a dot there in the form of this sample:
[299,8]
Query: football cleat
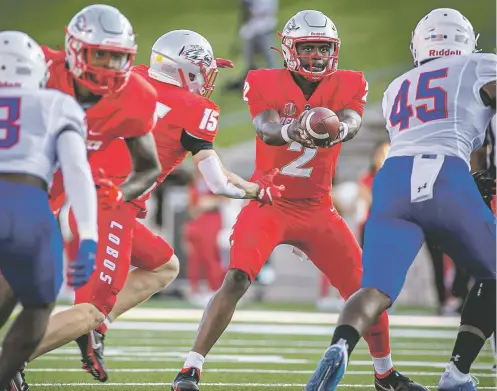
[395,381]
[18,383]
[92,353]
[449,383]
[330,369]
[187,380]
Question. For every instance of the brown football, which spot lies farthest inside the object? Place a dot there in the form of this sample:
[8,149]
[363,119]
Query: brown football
[322,124]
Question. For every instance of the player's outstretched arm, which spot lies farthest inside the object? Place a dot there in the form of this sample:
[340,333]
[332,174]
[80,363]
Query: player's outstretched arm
[221,181]
[146,166]
[269,129]
[80,190]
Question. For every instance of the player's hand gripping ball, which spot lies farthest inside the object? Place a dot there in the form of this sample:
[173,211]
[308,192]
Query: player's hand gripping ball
[322,126]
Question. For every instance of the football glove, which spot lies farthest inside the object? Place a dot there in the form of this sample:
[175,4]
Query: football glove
[268,191]
[80,271]
[109,194]
[485,181]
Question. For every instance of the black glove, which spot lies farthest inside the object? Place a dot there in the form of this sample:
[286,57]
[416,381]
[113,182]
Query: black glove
[485,181]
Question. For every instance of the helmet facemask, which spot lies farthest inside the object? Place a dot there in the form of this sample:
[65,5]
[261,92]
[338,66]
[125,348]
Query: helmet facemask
[100,78]
[304,64]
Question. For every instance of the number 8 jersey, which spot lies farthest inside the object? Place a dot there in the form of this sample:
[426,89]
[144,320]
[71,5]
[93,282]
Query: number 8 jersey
[306,173]
[30,122]
[436,108]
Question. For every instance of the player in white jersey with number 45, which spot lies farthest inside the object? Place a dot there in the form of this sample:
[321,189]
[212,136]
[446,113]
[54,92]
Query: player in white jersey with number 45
[436,115]
[39,129]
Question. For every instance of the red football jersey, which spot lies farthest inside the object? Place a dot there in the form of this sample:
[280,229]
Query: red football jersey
[177,109]
[128,113]
[306,173]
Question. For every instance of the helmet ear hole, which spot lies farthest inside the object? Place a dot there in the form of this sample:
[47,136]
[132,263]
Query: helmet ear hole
[191,76]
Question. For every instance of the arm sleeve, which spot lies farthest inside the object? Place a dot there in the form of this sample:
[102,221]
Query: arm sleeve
[251,94]
[358,98]
[78,182]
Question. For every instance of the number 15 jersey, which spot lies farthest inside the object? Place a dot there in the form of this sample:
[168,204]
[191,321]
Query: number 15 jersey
[436,108]
[306,173]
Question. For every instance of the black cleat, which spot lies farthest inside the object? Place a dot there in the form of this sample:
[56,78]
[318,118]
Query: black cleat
[92,353]
[395,381]
[18,383]
[187,380]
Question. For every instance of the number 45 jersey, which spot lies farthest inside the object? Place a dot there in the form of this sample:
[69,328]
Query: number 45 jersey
[306,173]
[436,108]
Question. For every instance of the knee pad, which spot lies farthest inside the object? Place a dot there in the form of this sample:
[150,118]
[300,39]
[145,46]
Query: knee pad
[479,309]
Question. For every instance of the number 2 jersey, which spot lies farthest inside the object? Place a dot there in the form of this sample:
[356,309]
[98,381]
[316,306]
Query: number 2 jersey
[181,116]
[436,108]
[30,123]
[306,173]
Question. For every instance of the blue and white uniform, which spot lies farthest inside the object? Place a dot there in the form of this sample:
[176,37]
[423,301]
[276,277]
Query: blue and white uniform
[435,118]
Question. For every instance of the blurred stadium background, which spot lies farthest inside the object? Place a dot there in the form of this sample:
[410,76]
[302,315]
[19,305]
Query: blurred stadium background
[375,39]
[275,344]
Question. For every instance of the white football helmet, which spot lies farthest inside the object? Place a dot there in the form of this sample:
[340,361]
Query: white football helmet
[96,28]
[309,26]
[443,32]
[22,62]
[184,58]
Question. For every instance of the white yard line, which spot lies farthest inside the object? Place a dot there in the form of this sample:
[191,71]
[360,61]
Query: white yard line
[174,351]
[272,385]
[114,339]
[231,370]
[278,329]
[276,360]
[280,317]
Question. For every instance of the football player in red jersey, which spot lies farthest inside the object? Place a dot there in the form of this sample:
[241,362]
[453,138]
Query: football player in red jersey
[96,69]
[182,71]
[305,216]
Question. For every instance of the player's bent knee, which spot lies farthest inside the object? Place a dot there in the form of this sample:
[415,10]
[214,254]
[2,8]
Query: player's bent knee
[480,307]
[89,315]
[236,281]
[167,272]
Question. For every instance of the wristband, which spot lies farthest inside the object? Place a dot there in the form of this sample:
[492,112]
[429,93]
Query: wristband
[284,133]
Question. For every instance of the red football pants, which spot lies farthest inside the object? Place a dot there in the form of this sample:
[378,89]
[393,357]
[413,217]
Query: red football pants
[123,241]
[321,233]
[203,250]
[149,251]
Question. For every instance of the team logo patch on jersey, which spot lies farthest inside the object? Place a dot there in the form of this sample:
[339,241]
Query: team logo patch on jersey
[290,109]
[196,53]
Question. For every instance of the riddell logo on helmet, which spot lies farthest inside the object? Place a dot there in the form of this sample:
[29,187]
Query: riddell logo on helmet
[444,52]
[9,84]
[313,33]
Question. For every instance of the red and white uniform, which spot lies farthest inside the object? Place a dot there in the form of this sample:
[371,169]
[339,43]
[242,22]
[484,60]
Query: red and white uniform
[128,113]
[305,216]
[201,236]
[177,110]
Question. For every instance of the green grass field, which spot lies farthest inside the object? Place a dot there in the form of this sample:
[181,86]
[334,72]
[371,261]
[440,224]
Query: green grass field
[375,35]
[277,353]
